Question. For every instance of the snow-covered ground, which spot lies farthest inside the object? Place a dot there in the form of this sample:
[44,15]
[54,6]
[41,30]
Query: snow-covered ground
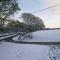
[7,36]
[43,35]
[13,51]
[3,34]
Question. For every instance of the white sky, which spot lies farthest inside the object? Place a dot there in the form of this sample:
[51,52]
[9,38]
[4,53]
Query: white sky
[51,17]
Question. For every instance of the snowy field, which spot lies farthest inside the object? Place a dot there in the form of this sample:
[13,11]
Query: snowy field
[12,51]
[43,36]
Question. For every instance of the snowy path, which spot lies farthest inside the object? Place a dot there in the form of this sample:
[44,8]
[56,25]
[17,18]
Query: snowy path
[9,36]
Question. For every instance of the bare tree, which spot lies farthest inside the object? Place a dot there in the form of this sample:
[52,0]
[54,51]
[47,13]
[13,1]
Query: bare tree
[33,21]
[7,8]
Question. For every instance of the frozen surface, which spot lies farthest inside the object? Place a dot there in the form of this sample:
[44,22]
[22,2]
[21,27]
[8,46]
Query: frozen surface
[12,51]
[44,36]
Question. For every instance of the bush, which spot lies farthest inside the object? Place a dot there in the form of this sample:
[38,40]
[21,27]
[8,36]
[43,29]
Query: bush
[1,29]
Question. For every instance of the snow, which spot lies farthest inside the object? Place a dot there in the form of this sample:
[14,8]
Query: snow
[43,36]
[7,36]
[12,51]
[3,34]
[47,35]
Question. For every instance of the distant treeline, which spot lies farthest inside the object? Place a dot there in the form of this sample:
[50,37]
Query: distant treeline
[51,28]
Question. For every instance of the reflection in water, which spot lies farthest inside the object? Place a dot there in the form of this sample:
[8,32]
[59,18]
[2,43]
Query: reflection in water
[25,36]
[54,52]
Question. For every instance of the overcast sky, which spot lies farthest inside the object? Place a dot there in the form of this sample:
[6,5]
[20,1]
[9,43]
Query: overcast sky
[51,17]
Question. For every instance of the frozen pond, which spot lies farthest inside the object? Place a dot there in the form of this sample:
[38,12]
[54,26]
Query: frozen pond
[43,35]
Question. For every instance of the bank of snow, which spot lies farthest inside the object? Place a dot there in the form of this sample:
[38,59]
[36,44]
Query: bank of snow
[43,36]
[12,51]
